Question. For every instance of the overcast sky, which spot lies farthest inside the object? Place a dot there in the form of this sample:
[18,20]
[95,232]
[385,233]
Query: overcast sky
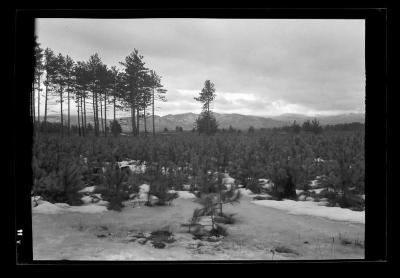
[259,66]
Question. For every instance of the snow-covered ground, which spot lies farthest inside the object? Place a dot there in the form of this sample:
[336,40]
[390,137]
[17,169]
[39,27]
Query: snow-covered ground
[246,192]
[306,227]
[183,194]
[257,231]
[315,209]
[48,208]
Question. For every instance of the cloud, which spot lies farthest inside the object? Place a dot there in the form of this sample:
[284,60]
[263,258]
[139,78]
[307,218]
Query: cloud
[259,66]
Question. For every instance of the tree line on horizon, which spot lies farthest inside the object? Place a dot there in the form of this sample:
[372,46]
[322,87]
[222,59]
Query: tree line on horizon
[93,86]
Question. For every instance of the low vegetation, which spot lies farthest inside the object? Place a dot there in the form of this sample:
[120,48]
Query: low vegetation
[288,160]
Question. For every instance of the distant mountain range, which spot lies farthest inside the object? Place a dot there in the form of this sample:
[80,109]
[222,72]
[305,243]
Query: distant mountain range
[324,120]
[237,121]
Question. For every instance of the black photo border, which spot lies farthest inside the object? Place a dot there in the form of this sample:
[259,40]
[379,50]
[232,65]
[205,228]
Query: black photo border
[376,234]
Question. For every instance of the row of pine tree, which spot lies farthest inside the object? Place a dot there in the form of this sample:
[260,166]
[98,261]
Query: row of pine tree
[94,86]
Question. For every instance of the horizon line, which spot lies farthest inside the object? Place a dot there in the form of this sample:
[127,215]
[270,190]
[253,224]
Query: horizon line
[266,116]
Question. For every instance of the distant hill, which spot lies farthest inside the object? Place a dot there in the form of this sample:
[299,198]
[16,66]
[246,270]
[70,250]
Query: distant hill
[237,121]
[324,120]
[187,120]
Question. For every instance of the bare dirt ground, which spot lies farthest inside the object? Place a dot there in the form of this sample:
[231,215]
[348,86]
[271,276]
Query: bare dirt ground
[257,231]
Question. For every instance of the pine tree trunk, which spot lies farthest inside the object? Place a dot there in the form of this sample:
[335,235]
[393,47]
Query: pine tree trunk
[133,120]
[69,111]
[220,202]
[114,108]
[213,222]
[144,117]
[105,113]
[45,109]
[101,115]
[39,99]
[97,115]
[84,113]
[61,113]
[114,98]
[79,114]
[33,104]
[137,121]
[94,114]
[154,129]
[208,118]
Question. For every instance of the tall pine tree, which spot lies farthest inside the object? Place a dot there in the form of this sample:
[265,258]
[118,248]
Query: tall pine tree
[39,67]
[206,122]
[50,65]
[133,71]
[69,79]
[60,82]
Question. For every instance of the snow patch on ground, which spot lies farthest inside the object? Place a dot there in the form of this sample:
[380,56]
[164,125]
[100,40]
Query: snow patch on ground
[102,203]
[317,191]
[36,200]
[62,205]
[86,199]
[137,169]
[228,180]
[318,160]
[186,195]
[127,162]
[144,190]
[314,209]
[265,195]
[302,198]
[49,208]
[246,192]
[314,183]
[263,180]
[135,166]
[183,194]
[89,189]
[266,183]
